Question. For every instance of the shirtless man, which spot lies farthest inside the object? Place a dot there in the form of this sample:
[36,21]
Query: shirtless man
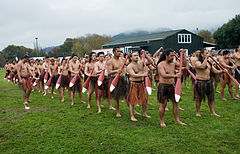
[104,88]
[224,79]
[63,69]
[54,74]
[204,84]
[236,57]
[193,60]
[46,68]
[89,68]
[214,76]
[12,70]
[114,67]
[166,69]
[137,93]
[41,75]
[74,67]
[6,68]
[24,72]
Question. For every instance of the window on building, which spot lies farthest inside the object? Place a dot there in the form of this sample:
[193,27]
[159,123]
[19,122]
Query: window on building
[184,38]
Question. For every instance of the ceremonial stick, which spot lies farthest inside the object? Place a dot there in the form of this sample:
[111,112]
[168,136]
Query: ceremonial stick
[74,79]
[101,76]
[233,79]
[115,80]
[86,84]
[60,76]
[147,80]
[192,75]
[178,88]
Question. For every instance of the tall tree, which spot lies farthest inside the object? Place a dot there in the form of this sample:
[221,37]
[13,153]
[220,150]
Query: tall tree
[206,35]
[228,36]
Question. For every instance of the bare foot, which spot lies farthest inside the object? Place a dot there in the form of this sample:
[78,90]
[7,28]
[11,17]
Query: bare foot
[149,103]
[83,102]
[54,93]
[166,108]
[147,116]
[234,98]
[215,114]
[238,96]
[63,100]
[88,106]
[29,101]
[198,115]
[102,105]
[179,108]
[112,108]
[180,123]
[118,115]
[134,119]
[44,94]
[217,92]
[162,124]
[137,105]
[99,111]
[52,97]
[224,99]
[135,112]
[72,103]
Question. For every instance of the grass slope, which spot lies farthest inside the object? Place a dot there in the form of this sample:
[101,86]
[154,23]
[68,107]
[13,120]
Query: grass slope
[51,126]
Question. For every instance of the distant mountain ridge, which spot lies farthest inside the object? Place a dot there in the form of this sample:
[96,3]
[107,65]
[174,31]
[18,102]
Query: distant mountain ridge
[48,49]
[138,33]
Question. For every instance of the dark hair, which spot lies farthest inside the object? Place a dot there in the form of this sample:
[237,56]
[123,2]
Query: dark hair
[115,48]
[25,56]
[100,53]
[225,52]
[90,56]
[47,57]
[73,55]
[164,54]
[200,58]
[219,52]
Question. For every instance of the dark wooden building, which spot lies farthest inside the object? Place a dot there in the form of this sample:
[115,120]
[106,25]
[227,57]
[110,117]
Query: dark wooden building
[175,39]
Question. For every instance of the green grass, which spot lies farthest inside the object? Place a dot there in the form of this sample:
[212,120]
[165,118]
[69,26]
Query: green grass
[51,126]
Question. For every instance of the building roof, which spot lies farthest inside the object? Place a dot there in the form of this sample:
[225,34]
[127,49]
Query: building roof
[208,44]
[142,38]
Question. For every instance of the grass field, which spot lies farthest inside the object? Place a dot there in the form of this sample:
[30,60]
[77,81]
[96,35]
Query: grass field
[51,126]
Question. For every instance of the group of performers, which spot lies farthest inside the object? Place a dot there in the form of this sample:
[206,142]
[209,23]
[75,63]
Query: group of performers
[122,77]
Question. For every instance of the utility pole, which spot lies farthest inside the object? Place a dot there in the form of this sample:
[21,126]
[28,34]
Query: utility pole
[37,46]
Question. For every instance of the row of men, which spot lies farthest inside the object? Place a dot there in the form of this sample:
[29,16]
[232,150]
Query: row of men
[131,85]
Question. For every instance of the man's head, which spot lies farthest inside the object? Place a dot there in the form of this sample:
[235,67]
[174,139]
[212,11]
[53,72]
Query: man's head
[134,56]
[52,60]
[220,52]
[100,56]
[74,58]
[167,55]
[213,52]
[92,57]
[204,53]
[197,52]
[25,58]
[238,49]
[226,54]
[117,52]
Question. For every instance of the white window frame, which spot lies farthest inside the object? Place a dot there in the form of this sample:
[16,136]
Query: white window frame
[184,38]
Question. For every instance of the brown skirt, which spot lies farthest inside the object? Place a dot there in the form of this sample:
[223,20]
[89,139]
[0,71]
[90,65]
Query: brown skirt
[203,89]
[137,93]
[120,91]
[166,92]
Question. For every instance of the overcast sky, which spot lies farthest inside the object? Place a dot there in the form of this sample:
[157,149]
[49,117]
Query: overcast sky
[52,21]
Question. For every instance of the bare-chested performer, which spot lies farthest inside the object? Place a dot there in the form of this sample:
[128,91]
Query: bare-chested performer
[214,77]
[46,65]
[103,90]
[75,66]
[24,73]
[89,68]
[137,92]
[114,67]
[54,74]
[193,60]
[63,69]
[41,75]
[236,57]
[204,84]
[224,78]
[12,70]
[7,70]
[166,70]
